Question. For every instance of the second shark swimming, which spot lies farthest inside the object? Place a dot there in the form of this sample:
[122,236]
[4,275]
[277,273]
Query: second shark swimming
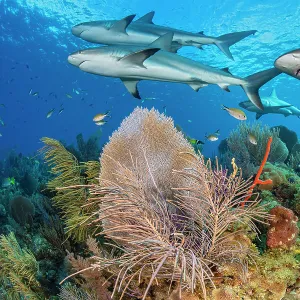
[272,105]
[143,32]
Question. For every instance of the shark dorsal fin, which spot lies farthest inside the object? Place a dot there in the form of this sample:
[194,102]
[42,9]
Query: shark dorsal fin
[164,42]
[121,25]
[274,94]
[226,70]
[147,18]
[131,86]
[137,58]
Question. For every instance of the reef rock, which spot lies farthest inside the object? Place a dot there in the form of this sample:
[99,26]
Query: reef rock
[283,229]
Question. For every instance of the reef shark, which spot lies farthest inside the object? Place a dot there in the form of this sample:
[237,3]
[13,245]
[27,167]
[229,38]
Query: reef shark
[289,63]
[132,64]
[272,105]
[143,32]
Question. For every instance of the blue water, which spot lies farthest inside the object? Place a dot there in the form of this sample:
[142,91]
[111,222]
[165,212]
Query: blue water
[36,40]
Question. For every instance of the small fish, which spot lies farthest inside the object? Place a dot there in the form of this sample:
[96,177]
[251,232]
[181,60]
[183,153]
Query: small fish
[100,123]
[165,109]
[100,117]
[213,136]
[69,96]
[195,142]
[60,111]
[2,123]
[50,112]
[34,94]
[252,139]
[0,134]
[76,92]
[8,182]
[190,121]
[235,112]
[30,92]
[2,104]
[150,98]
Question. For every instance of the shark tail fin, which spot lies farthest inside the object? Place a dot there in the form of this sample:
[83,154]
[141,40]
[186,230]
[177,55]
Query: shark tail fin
[253,82]
[223,42]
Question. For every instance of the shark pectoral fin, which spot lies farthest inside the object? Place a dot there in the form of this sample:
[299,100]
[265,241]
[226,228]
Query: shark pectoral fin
[121,25]
[137,58]
[226,70]
[164,42]
[258,115]
[131,86]
[147,18]
[175,46]
[224,87]
[197,86]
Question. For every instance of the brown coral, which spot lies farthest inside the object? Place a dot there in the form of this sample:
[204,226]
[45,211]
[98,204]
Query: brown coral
[146,134]
[283,229]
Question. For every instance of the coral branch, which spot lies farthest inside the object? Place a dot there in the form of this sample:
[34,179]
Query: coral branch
[256,179]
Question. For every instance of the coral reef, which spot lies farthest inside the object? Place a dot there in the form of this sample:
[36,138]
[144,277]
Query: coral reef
[22,210]
[86,150]
[157,221]
[18,270]
[188,211]
[283,229]
[248,156]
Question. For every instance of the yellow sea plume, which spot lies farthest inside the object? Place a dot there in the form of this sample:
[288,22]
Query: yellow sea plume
[70,186]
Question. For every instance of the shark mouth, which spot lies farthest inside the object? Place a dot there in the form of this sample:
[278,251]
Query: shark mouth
[297,73]
[82,63]
[82,32]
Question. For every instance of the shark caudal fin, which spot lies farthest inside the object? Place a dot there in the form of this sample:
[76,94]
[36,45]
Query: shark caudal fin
[255,81]
[223,42]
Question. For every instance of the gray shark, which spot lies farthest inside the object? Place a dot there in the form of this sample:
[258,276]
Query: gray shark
[132,64]
[289,63]
[272,105]
[144,32]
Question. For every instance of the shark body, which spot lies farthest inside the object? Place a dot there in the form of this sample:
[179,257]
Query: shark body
[144,32]
[272,105]
[132,64]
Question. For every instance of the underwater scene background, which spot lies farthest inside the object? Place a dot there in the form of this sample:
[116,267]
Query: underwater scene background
[147,221]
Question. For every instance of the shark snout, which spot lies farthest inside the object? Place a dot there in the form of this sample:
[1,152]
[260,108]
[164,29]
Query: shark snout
[74,60]
[78,30]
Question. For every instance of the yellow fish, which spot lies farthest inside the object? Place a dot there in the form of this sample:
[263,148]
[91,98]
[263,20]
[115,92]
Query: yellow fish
[213,136]
[252,139]
[100,117]
[235,112]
